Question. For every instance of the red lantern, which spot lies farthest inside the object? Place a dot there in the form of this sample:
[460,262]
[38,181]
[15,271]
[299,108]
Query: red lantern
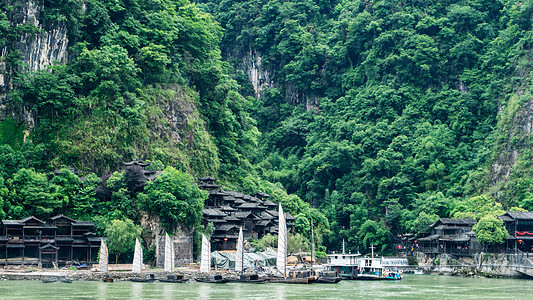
[225,239]
[520,241]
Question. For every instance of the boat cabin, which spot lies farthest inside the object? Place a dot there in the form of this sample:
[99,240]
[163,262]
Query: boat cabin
[344,265]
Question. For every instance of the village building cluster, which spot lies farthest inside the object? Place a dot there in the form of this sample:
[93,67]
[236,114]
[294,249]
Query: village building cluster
[228,211]
[58,241]
[455,236]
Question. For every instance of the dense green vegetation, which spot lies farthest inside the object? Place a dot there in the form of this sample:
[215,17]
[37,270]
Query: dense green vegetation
[381,117]
[409,93]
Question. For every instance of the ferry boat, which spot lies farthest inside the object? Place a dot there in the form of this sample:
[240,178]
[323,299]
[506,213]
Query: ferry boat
[354,267]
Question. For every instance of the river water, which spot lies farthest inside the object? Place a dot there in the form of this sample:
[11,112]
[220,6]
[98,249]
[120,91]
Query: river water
[411,287]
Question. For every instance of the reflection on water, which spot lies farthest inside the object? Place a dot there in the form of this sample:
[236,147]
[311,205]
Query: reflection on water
[204,291]
[136,290]
[412,287]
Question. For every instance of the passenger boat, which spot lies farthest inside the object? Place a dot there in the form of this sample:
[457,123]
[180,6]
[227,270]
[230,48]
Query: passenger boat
[371,268]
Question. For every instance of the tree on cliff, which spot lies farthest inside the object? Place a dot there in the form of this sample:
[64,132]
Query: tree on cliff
[121,235]
[175,198]
[490,231]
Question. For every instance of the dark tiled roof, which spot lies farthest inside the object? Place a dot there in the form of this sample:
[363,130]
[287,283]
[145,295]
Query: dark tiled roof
[263,223]
[520,215]
[222,236]
[266,216]
[226,227]
[242,214]
[31,218]
[251,205]
[62,217]
[83,223]
[207,178]
[213,212]
[269,203]
[216,220]
[273,213]
[11,222]
[231,219]
[228,198]
[448,221]
[227,208]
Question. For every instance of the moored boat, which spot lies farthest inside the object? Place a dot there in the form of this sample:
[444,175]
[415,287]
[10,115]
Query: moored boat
[248,278]
[49,280]
[173,279]
[212,279]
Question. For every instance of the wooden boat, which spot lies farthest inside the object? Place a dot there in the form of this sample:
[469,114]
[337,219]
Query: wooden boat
[174,279]
[328,280]
[151,278]
[49,280]
[108,278]
[248,278]
[212,279]
[66,280]
[139,279]
[328,277]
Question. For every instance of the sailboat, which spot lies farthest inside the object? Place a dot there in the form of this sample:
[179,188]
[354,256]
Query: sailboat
[137,257]
[169,263]
[104,256]
[281,258]
[205,264]
[239,264]
[169,254]
[138,263]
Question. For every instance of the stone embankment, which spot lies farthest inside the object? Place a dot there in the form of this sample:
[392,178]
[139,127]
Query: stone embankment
[89,275]
[479,265]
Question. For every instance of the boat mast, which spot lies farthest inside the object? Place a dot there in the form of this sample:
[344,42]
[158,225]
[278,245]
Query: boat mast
[312,244]
[372,247]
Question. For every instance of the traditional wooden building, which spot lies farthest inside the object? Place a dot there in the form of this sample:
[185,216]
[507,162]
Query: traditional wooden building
[229,210]
[452,236]
[520,228]
[60,240]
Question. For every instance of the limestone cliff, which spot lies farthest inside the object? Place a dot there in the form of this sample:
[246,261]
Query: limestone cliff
[37,48]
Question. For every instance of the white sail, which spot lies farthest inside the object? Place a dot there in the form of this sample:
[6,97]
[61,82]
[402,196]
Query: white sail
[205,262]
[240,253]
[282,243]
[104,256]
[137,258]
[172,257]
[169,254]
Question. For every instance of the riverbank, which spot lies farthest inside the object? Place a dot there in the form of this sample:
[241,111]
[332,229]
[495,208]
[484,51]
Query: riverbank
[488,265]
[87,275]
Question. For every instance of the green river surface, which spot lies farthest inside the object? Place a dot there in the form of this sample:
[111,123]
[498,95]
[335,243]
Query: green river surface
[411,287]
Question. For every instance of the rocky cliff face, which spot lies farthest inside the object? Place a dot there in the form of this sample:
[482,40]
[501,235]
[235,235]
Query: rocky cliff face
[251,63]
[38,48]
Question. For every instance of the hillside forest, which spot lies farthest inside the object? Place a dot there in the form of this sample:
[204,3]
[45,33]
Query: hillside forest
[372,118]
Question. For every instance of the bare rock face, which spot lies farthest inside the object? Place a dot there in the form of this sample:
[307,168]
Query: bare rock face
[38,49]
[261,78]
[182,239]
[519,128]
[253,67]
